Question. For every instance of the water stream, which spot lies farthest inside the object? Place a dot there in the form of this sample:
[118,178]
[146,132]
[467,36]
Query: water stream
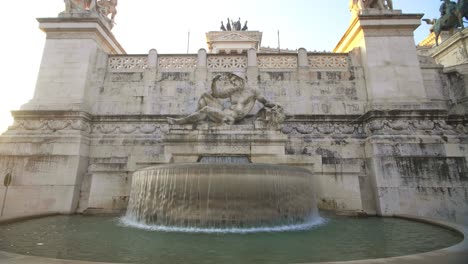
[221,196]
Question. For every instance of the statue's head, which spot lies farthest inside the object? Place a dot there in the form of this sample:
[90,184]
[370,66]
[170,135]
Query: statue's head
[226,84]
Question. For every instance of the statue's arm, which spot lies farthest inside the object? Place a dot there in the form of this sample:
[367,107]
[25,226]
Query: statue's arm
[263,100]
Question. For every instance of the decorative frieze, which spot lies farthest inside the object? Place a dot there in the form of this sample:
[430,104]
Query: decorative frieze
[177,63]
[324,129]
[127,63]
[375,127]
[223,62]
[328,61]
[277,61]
[405,126]
[53,125]
[129,128]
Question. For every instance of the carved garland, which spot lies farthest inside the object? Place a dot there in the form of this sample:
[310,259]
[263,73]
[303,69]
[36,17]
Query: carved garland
[413,126]
[51,125]
[391,127]
[323,129]
[129,129]
[55,125]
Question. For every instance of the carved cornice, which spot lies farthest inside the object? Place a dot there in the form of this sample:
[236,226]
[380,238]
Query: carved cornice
[395,122]
[89,26]
[242,36]
[29,114]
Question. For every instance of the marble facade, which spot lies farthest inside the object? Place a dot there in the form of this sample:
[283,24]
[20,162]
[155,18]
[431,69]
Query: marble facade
[373,121]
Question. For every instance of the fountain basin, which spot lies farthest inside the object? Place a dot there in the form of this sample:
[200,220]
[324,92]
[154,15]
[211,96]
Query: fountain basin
[219,196]
[364,240]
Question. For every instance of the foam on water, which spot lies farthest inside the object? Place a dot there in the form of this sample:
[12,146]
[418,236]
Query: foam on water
[313,223]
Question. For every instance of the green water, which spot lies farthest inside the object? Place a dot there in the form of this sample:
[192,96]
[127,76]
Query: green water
[106,239]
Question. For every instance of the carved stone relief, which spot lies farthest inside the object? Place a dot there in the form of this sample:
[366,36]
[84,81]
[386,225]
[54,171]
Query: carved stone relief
[127,63]
[50,125]
[277,62]
[227,62]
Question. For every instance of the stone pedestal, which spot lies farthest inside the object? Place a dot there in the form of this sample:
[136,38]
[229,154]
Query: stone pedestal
[388,55]
[47,149]
[452,53]
[46,152]
[186,144]
[452,50]
[75,52]
[414,153]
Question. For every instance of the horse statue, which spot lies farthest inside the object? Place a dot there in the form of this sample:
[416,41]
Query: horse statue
[452,15]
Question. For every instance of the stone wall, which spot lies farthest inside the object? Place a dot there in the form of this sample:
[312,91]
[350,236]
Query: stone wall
[326,84]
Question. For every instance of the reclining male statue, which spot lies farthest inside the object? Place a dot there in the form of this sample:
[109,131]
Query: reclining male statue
[242,100]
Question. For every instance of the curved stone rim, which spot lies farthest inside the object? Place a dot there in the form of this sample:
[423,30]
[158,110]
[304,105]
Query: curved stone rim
[245,165]
[456,254]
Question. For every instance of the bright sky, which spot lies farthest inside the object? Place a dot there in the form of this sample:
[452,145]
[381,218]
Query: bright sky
[164,25]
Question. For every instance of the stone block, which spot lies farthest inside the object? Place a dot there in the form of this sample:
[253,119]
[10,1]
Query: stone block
[338,192]
[39,199]
[108,191]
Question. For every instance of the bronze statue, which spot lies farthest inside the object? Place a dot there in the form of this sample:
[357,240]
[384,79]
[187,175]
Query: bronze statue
[234,25]
[228,26]
[241,98]
[238,25]
[451,17]
[245,28]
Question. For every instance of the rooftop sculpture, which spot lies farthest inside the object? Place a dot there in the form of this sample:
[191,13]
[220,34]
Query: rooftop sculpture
[104,8]
[234,25]
[357,5]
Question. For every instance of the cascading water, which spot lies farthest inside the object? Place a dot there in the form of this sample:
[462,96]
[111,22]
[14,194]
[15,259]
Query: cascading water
[222,197]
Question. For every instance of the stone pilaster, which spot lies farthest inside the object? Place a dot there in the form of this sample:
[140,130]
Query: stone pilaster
[303,64]
[150,76]
[252,67]
[201,72]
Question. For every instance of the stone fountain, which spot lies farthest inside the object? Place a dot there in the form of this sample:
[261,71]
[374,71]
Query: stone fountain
[224,191]
[222,196]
